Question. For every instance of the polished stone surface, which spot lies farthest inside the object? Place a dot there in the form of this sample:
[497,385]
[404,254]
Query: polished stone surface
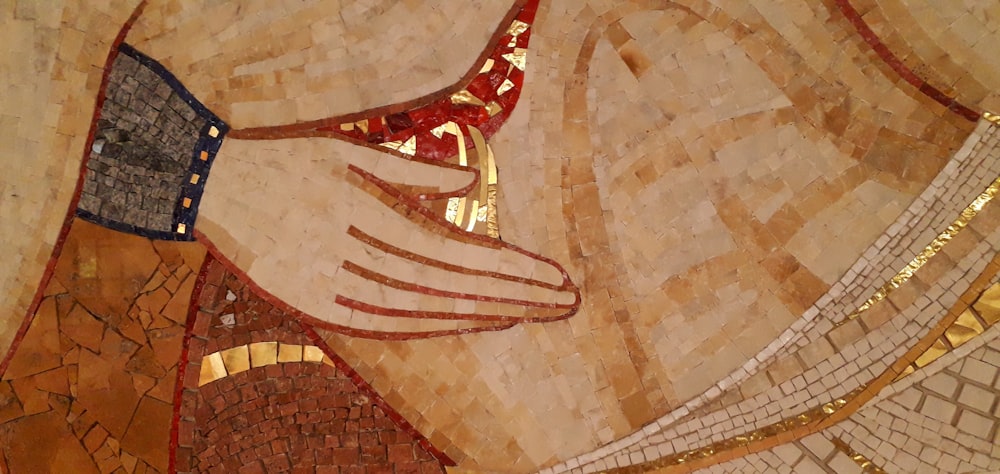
[700,205]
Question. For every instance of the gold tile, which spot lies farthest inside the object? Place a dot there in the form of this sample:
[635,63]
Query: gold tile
[464,97]
[487,66]
[203,155]
[213,132]
[263,353]
[463,157]
[968,319]
[965,328]
[451,212]
[863,462]
[907,371]
[493,108]
[289,353]
[181,228]
[236,359]
[988,305]
[958,335]
[491,162]
[194,178]
[187,202]
[517,58]
[312,354]
[938,349]
[460,212]
[440,130]
[212,369]
[410,146]
[473,215]
[393,145]
[930,250]
[483,155]
[347,127]
[505,86]
[517,27]
[492,223]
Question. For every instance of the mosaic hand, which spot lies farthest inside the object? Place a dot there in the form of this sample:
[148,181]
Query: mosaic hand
[316,223]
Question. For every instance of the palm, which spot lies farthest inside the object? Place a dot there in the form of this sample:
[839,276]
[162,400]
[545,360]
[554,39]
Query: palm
[356,236]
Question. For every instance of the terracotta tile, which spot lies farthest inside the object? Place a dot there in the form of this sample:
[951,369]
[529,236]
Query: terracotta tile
[106,391]
[108,287]
[149,432]
[39,351]
[63,453]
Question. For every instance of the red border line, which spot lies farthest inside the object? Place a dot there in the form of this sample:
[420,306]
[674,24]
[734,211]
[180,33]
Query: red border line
[182,365]
[75,200]
[457,233]
[897,65]
[393,250]
[416,288]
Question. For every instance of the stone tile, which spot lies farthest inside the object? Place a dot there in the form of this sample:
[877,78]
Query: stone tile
[105,273]
[818,445]
[943,384]
[41,349]
[61,451]
[977,398]
[788,453]
[808,466]
[975,424]
[979,371]
[148,431]
[938,409]
[841,463]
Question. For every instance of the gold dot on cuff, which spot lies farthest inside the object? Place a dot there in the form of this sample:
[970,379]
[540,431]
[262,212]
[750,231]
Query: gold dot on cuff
[194,178]
[187,202]
[181,228]
[213,132]
[203,155]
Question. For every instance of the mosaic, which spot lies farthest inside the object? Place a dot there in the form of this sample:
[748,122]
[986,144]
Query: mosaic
[94,375]
[151,154]
[967,324]
[451,130]
[446,128]
[890,59]
[158,343]
[867,466]
[280,403]
[930,250]
[807,419]
[971,323]
[219,365]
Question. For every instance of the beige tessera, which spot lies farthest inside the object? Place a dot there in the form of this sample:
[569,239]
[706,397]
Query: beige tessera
[707,236]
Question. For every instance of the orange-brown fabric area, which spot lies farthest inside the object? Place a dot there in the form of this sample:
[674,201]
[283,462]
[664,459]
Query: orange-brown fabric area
[90,387]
